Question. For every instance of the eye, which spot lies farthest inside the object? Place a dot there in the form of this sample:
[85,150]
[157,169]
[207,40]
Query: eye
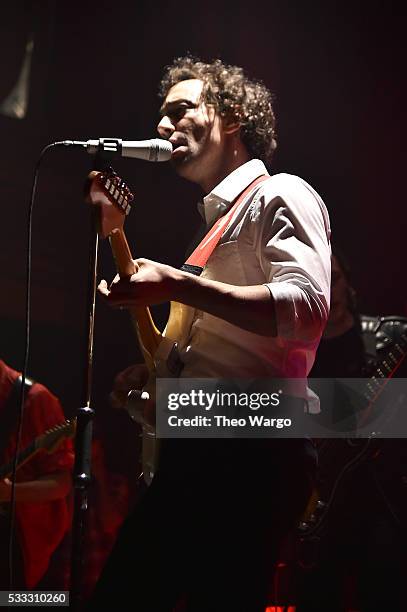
[177,113]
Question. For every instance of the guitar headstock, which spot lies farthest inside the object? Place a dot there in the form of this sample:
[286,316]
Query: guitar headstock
[108,191]
[53,437]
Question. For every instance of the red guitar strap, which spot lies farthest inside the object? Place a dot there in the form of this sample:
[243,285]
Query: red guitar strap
[197,260]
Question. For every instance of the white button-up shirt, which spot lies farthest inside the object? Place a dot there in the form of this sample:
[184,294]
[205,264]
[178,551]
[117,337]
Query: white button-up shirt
[278,236]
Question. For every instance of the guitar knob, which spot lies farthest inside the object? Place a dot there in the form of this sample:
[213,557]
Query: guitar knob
[135,404]
[320,505]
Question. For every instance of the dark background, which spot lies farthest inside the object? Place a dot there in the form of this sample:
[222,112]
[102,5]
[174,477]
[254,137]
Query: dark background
[338,73]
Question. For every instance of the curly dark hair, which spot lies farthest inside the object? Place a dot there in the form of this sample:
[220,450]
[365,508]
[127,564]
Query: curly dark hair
[234,96]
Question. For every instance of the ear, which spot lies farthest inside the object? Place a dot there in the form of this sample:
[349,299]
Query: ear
[232,128]
[230,125]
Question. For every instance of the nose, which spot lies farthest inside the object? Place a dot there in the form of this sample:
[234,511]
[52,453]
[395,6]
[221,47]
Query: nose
[165,128]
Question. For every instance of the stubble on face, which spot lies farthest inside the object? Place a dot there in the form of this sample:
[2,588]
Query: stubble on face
[196,135]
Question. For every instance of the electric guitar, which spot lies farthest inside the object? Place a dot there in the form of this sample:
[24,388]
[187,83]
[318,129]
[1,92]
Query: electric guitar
[113,198]
[48,441]
[338,457]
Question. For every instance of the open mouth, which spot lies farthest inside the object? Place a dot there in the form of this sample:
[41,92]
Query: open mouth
[180,151]
[180,146]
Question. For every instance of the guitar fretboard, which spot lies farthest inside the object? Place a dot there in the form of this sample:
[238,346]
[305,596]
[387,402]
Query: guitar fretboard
[386,368]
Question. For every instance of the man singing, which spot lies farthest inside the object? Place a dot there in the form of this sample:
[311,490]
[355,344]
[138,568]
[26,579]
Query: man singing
[208,529]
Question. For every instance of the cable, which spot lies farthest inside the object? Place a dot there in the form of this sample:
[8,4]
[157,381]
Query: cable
[25,365]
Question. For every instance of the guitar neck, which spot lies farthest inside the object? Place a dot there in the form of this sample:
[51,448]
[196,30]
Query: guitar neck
[386,368]
[148,335]
[26,454]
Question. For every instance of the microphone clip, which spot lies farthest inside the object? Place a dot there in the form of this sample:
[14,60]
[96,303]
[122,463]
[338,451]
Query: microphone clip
[113,146]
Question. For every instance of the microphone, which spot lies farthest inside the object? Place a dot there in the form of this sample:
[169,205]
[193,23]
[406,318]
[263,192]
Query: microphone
[156,149]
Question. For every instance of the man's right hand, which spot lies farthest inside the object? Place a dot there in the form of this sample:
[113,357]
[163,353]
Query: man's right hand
[133,377]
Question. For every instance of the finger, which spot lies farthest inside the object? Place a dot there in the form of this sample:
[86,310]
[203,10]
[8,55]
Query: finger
[121,286]
[115,281]
[103,288]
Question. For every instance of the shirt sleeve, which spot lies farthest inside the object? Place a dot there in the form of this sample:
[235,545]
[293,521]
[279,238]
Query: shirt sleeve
[292,244]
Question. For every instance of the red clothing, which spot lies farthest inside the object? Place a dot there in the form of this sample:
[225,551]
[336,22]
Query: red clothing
[41,526]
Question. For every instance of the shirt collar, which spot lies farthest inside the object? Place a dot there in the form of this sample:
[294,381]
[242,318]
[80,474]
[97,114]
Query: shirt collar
[217,202]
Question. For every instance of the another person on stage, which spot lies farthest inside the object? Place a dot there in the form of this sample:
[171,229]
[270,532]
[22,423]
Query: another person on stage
[209,527]
[357,559]
[42,486]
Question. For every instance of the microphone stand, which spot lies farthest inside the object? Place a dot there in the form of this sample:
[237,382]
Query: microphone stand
[85,415]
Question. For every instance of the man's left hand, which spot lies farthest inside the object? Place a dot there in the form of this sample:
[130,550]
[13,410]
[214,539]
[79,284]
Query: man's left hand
[153,283]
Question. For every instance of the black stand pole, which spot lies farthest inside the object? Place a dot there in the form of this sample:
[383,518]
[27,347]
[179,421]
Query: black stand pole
[85,414]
